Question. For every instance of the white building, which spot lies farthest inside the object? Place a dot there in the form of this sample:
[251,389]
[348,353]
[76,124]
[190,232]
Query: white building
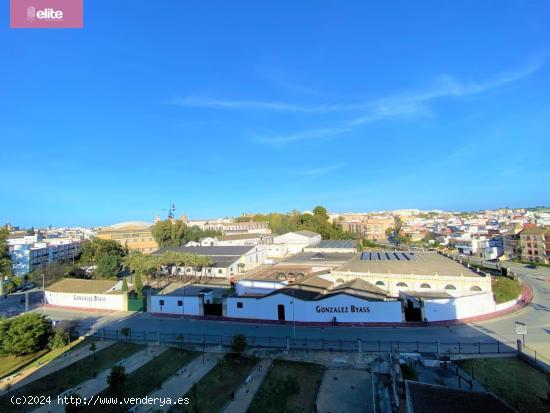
[227,261]
[32,251]
[295,242]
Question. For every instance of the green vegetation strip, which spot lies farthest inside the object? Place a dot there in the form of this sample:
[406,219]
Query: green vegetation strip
[513,380]
[215,389]
[505,289]
[288,387]
[148,377]
[65,378]
[11,364]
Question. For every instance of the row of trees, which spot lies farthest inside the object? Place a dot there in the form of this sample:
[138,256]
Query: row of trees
[295,221]
[160,266]
[175,233]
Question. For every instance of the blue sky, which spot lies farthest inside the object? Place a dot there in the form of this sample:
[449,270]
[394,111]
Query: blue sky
[230,107]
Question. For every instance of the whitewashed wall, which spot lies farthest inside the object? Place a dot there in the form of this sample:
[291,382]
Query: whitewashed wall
[87,301]
[459,307]
[190,305]
[258,287]
[315,311]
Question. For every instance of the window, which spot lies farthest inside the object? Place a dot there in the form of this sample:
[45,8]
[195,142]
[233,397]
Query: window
[220,271]
[239,304]
[424,285]
[180,303]
[401,284]
[380,283]
[450,287]
[475,288]
[161,302]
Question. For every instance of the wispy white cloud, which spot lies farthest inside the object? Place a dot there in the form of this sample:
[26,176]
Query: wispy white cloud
[214,103]
[322,170]
[406,104]
[302,136]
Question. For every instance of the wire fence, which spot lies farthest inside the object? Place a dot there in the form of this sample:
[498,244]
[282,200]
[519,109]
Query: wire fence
[308,344]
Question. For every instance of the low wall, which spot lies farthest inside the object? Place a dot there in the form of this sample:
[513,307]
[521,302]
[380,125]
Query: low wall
[506,305]
[87,301]
[459,307]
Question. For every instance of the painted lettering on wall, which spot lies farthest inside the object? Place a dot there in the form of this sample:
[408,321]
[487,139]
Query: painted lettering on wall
[89,298]
[342,309]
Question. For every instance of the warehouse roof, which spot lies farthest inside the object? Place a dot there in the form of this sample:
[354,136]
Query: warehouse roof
[306,233]
[428,263]
[235,237]
[219,251]
[75,285]
[336,244]
[332,259]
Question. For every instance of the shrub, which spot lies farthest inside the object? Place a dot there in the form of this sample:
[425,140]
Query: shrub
[117,377]
[505,289]
[25,334]
[238,344]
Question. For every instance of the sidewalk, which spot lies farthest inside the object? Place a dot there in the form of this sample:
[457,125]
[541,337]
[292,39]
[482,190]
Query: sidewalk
[91,387]
[180,383]
[36,372]
[247,391]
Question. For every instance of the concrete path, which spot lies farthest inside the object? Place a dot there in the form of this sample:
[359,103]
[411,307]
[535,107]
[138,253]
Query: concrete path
[91,387]
[180,383]
[246,392]
[36,372]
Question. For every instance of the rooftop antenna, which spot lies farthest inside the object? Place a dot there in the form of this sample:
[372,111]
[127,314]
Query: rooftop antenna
[171,209]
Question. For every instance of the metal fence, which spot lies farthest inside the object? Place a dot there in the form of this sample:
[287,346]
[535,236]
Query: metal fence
[308,344]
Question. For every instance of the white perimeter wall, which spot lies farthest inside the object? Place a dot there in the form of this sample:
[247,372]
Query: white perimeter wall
[266,308]
[190,304]
[459,307]
[87,301]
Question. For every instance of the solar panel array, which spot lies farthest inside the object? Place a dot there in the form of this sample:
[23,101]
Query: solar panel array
[389,256]
[335,244]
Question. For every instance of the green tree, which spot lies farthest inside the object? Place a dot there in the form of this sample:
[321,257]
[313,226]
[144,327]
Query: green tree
[97,247]
[117,377]
[138,263]
[5,258]
[138,286]
[124,285]
[107,266]
[238,344]
[25,334]
[126,331]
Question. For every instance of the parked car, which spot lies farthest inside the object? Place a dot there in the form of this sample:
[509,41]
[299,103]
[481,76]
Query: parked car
[531,266]
[28,287]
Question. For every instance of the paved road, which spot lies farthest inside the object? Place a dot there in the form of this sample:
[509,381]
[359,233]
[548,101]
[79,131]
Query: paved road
[536,316]
[14,304]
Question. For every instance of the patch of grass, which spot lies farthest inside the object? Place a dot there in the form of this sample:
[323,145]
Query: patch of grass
[214,390]
[148,377]
[512,379]
[505,289]
[65,378]
[288,387]
[11,364]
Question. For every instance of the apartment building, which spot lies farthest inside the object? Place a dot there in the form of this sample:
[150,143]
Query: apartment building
[135,235]
[31,252]
[535,244]
[373,228]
